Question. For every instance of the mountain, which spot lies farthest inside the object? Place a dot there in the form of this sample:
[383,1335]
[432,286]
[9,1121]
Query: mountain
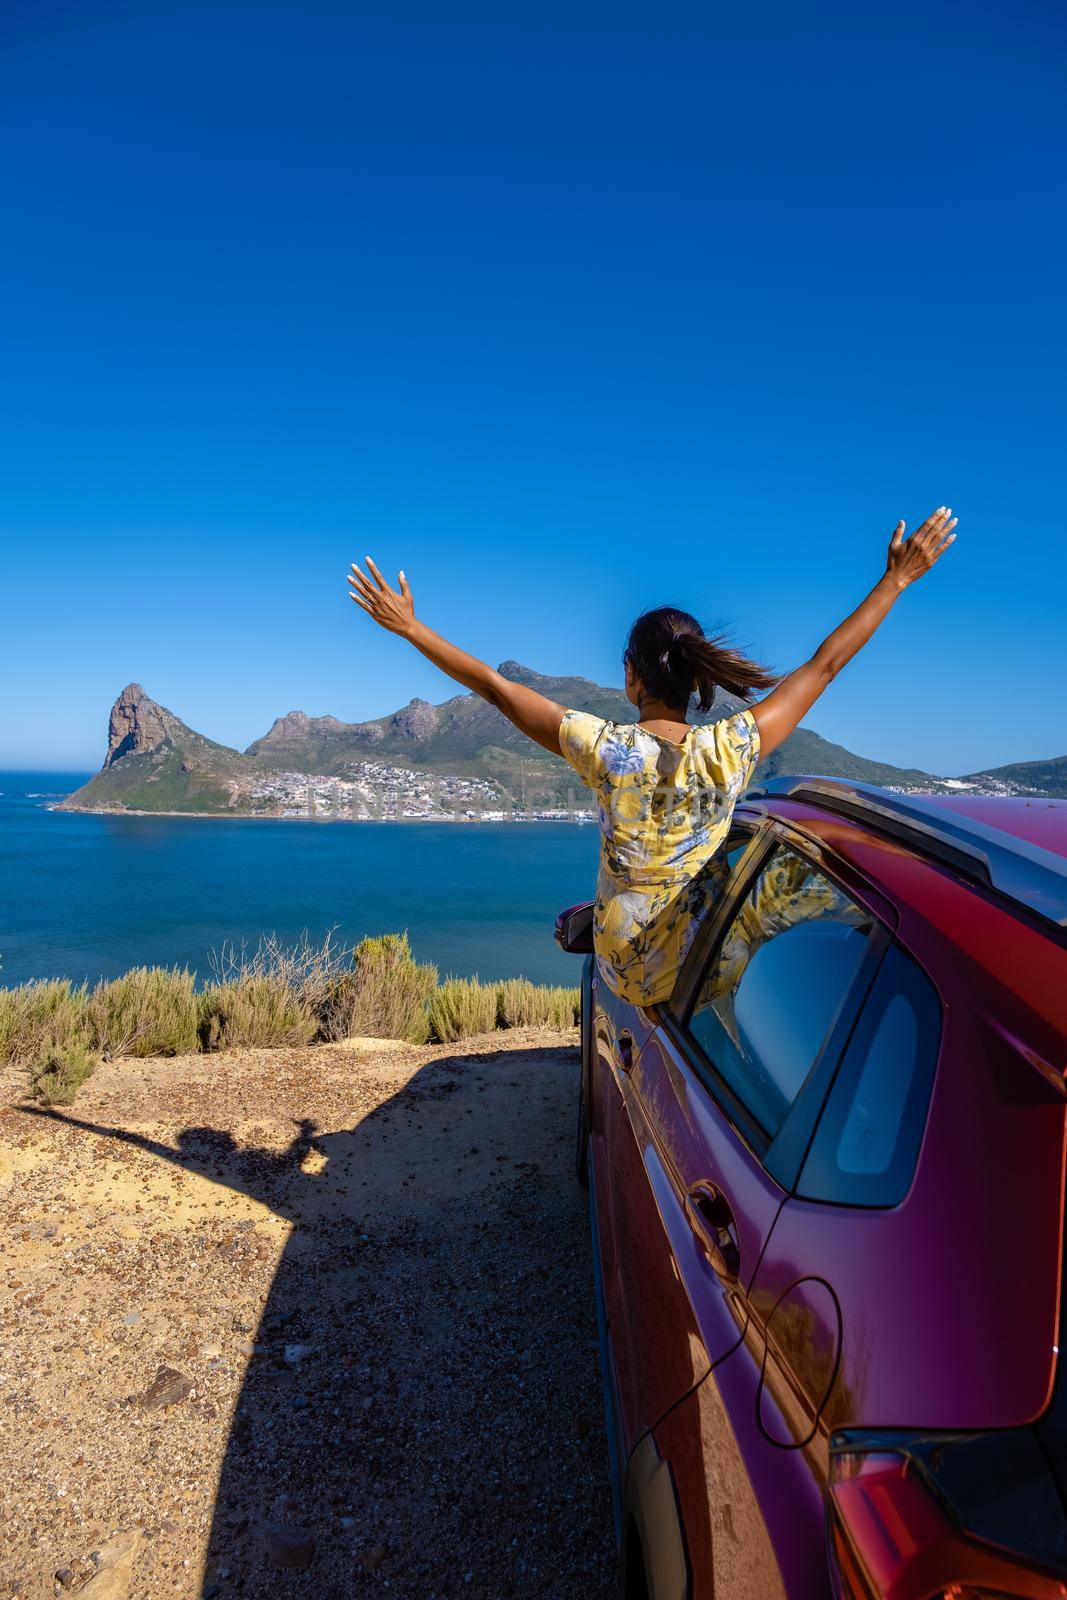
[1035,777]
[155,762]
[465,735]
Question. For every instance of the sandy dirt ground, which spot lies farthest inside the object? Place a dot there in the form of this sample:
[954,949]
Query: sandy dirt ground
[303,1322]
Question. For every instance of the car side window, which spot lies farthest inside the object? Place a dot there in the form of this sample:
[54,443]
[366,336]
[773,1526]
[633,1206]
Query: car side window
[772,989]
[867,1142]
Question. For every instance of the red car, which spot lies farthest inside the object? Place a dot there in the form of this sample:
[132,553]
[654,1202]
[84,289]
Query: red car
[827,1192]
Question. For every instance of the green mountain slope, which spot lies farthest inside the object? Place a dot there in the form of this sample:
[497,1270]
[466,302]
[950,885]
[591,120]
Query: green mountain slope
[1040,777]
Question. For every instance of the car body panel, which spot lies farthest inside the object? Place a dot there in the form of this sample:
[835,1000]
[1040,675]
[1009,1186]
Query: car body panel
[941,1311]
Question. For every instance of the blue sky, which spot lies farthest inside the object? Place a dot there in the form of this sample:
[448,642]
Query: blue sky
[568,310]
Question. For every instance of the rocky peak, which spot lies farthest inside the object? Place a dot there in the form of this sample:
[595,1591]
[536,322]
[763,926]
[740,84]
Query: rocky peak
[417,720]
[296,726]
[517,672]
[137,723]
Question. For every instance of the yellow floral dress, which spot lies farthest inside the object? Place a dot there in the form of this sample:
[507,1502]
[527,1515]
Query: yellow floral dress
[664,810]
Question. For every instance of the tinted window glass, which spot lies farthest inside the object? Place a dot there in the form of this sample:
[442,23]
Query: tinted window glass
[707,889]
[736,846]
[773,988]
[867,1141]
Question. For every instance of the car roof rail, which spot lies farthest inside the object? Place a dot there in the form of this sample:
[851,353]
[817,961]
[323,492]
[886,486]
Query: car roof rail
[1031,877]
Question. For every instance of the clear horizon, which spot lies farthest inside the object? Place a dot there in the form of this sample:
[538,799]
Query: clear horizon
[567,318]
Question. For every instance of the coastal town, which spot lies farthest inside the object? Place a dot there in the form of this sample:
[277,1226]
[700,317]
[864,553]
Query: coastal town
[371,791]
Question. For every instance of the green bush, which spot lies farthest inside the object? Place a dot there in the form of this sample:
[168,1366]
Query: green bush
[522,1004]
[462,1007]
[384,995]
[151,1011]
[37,1018]
[253,1011]
[280,995]
[62,1068]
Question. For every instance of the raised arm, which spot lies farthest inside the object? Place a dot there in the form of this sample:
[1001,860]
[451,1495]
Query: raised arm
[908,559]
[534,715]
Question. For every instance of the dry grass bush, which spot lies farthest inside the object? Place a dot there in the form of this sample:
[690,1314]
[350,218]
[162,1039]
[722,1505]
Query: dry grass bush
[61,1069]
[462,1007]
[149,1011]
[384,994]
[522,1004]
[39,1017]
[253,1010]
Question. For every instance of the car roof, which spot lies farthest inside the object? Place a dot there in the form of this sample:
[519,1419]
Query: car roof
[990,847]
[1038,820]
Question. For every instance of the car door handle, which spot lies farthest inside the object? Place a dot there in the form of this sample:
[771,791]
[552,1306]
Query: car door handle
[625,1045]
[713,1223]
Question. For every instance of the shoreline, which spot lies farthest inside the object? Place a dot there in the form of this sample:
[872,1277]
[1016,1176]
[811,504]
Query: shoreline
[260,816]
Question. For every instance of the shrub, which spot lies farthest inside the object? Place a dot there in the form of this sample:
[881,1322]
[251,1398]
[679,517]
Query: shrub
[522,1004]
[151,1011]
[307,969]
[38,1017]
[62,1068]
[462,1007]
[253,1010]
[385,994]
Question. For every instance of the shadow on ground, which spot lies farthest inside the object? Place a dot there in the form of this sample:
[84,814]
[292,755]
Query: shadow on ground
[421,1412]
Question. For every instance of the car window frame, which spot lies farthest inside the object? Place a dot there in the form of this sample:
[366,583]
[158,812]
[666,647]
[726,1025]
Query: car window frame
[781,1155]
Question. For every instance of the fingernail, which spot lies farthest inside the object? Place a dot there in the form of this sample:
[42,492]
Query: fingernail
[402,578]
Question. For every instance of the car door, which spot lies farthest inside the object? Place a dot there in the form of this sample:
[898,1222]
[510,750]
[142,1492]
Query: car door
[720,1089]
[634,1247]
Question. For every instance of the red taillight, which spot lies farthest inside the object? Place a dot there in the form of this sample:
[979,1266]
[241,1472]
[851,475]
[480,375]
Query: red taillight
[881,1520]
[890,1539]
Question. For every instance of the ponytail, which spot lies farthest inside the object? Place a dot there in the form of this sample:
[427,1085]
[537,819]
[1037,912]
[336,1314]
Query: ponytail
[670,653]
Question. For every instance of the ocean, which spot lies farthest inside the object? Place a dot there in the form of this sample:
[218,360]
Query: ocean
[86,897]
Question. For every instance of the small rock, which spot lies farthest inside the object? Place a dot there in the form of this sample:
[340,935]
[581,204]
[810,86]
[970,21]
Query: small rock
[296,1352]
[65,1577]
[167,1388]
[112,1578]
[288,1546]
[131,1319]
[210,1351]
[372,1557]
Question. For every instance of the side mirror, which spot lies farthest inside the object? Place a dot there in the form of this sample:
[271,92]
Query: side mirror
[574,929]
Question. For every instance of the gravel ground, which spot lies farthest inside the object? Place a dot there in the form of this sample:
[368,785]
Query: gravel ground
[303,1322]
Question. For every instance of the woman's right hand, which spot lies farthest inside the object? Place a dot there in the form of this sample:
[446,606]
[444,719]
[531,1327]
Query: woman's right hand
[390,610]
[909,559]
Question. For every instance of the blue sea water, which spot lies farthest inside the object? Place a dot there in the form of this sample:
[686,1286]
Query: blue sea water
[89,897]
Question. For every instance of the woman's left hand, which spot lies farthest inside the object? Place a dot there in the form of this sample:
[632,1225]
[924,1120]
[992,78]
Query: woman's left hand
[390,610]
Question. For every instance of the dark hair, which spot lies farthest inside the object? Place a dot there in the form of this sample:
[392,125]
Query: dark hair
[674,659]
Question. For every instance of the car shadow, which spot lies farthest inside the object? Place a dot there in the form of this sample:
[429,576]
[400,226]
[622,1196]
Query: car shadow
[421,1408]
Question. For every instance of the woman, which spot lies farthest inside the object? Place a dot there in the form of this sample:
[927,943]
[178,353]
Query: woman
[666,790]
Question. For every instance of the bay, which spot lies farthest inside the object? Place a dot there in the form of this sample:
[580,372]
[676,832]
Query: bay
[86,897]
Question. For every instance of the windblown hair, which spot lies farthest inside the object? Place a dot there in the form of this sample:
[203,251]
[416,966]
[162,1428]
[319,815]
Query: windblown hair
[675,659]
